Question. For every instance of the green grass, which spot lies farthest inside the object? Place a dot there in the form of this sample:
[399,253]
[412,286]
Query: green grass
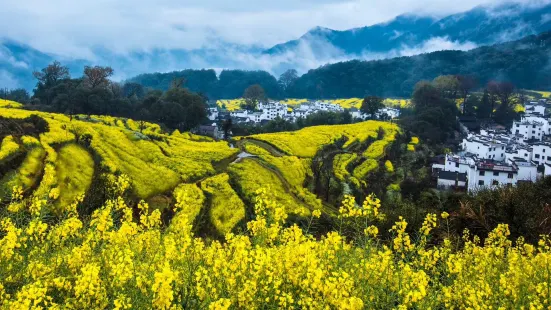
[75,169]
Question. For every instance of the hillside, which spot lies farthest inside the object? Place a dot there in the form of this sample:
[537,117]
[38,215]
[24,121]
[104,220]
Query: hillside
[523,62]
[480,26]
[405,35]
[63,160]
[127,254]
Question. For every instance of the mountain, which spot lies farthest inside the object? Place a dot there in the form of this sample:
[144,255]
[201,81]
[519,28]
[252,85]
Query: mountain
[524,62]
[480,26]
[405,35]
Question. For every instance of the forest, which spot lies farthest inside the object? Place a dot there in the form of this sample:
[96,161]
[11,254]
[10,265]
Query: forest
[525,63]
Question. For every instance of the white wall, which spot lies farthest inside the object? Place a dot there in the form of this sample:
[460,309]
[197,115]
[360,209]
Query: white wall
[541,153]
[485,150]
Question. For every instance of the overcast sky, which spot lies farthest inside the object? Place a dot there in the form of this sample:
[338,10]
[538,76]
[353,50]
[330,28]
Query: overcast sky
[74,27]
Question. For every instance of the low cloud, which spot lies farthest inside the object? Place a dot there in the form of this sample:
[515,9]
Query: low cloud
[7,57]
[78,29]
[7,80]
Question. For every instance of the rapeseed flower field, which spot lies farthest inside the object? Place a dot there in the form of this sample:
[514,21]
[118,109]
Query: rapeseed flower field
[124,258]
[128,254]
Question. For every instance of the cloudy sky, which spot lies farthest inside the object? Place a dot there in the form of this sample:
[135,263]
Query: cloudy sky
[74,28]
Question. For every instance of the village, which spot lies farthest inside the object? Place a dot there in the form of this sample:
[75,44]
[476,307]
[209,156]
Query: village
[496,156]
[271,110]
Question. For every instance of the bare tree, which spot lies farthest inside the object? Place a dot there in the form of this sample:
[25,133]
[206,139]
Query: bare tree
[96,77]
[53,73]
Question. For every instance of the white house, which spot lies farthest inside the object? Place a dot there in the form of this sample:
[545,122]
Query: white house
[547,169]
[530,129]
[213,114]
[272,110]
[483,173]
[541,153]
[484,147]
[391,112]
[535,108]
[527,170]
[517,151]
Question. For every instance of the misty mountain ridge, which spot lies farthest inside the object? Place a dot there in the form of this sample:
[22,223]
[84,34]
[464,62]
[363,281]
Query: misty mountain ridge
[404,35]
[479,26]
[525,62]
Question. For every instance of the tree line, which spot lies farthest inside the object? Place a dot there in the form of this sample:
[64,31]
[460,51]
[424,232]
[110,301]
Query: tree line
[438,103]
[523,62]
[96,94]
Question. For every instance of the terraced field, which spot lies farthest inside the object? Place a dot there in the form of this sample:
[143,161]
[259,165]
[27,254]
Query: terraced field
[196,174]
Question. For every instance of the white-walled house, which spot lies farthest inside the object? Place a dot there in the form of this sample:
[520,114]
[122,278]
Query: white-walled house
[541,153]
[483,173]
[529,130]
[523,152]
[547,169]
[527,170]
[213,114]
[484,147]
[535,108]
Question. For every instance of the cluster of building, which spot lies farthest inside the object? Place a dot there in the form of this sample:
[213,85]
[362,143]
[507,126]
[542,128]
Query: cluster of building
[498,157]
[274,109]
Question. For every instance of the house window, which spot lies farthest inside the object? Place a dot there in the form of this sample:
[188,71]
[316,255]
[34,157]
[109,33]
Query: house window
[544,150]
[537,156]
[495,182]
[480,182]
[481,173]
[518,131]
[509,175]
[533,131]
[456,165]
[496,173]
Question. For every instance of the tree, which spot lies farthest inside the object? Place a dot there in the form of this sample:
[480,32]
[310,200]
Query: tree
[96,77]
[226,127]
[502,92]
[493,89]
[425,95]
[53,73]
[133,89]
[505,92]
[434,116]
[484,107]
[178,82]
[448,85]
[48,78]
[181,109]
[287,78]
[466,85]
[371,105]
[253,95]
